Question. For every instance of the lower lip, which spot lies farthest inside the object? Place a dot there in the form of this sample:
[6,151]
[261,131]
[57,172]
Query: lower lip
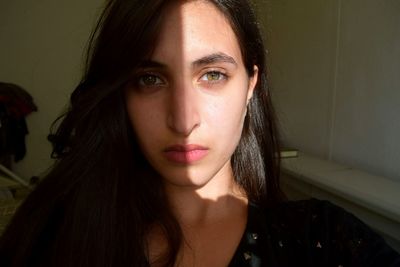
[186,156]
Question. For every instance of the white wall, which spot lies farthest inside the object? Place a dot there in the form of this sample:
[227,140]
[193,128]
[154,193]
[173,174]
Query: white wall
[334,69]
[41,49]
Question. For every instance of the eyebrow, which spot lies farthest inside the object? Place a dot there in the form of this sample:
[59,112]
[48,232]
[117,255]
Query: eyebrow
[151,64]
[206,60]
[214,58]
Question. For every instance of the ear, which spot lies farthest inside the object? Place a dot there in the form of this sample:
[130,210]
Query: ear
[252,83]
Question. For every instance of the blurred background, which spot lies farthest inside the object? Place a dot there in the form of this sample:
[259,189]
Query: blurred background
[42,46]
[334,69]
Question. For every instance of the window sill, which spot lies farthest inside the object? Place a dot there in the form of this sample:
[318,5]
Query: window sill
[374,199]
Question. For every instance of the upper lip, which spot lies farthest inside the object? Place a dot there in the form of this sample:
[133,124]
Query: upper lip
[185,148]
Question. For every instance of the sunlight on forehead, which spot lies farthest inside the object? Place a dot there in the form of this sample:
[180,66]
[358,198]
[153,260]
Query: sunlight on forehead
[194,33]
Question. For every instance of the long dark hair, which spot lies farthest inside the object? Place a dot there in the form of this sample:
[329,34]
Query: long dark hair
[98,202]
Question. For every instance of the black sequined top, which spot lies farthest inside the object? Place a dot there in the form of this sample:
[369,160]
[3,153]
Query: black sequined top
[310,233]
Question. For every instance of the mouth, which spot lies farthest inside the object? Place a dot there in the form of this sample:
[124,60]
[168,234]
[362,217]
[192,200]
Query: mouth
[185,154]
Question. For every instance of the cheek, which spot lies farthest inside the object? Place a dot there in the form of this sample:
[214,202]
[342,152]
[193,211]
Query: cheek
[144,121]
[227,114]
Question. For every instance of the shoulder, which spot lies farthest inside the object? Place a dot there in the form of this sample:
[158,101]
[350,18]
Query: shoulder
[311,213]
[327,233]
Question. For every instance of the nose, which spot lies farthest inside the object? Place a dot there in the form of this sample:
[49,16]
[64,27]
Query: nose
[183,116]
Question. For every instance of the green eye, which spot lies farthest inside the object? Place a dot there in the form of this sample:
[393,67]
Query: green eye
[213,76]
[149,80]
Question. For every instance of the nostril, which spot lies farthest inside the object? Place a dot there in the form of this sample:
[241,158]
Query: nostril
[183,121]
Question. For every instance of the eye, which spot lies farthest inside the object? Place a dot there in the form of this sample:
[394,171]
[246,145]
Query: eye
[149,80]
[213,76]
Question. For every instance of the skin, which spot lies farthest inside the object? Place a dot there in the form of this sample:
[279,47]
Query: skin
[195,90]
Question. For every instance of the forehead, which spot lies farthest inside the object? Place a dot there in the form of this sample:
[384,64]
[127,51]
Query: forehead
[193,29]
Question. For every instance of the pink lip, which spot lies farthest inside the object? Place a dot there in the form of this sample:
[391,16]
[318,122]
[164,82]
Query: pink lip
[185,153]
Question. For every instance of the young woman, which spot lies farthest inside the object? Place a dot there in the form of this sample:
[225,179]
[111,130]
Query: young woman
[167,156]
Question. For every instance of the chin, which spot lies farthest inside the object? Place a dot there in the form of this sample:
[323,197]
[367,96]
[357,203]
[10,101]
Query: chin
[187,179]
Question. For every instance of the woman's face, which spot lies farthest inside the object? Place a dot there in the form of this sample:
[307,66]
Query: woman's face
[187,104]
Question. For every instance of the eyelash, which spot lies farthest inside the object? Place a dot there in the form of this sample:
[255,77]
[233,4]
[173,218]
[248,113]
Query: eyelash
[222,76]
[158,81]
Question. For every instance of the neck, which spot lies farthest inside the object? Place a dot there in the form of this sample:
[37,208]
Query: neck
[212,202]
